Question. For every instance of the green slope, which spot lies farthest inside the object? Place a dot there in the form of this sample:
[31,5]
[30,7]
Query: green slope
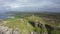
[21,24]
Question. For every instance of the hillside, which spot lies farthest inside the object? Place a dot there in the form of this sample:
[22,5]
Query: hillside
[38,23]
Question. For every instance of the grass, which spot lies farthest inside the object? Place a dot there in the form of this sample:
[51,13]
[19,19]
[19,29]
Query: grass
[22,25]
[26,27]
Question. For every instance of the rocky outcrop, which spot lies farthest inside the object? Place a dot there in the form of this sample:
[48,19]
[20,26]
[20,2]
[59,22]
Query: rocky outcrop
[16,31]
[6,30]
[34,32]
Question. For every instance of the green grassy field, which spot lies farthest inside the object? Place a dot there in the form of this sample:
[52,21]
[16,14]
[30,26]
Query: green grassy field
[21,21]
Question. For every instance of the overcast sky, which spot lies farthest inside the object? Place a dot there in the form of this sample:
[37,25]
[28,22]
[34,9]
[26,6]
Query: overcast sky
[30,5]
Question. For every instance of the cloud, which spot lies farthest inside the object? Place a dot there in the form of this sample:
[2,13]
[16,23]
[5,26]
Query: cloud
[28,5]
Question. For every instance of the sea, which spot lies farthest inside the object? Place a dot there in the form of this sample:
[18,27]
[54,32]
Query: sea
[3,15]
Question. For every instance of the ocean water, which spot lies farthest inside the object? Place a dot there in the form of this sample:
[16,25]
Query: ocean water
[2,15]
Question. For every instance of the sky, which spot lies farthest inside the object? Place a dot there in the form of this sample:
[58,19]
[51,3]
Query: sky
[30,5]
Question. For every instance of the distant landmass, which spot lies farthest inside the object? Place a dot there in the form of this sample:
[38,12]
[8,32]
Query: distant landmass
[6,14]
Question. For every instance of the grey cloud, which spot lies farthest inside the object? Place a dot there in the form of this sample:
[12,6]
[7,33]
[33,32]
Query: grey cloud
[29,5]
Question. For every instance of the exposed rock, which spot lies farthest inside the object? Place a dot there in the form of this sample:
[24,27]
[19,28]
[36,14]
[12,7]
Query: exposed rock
[3,28]
[6,30]
[16,31]
[31,33]
[9,31]
[21,20]
[35,32]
